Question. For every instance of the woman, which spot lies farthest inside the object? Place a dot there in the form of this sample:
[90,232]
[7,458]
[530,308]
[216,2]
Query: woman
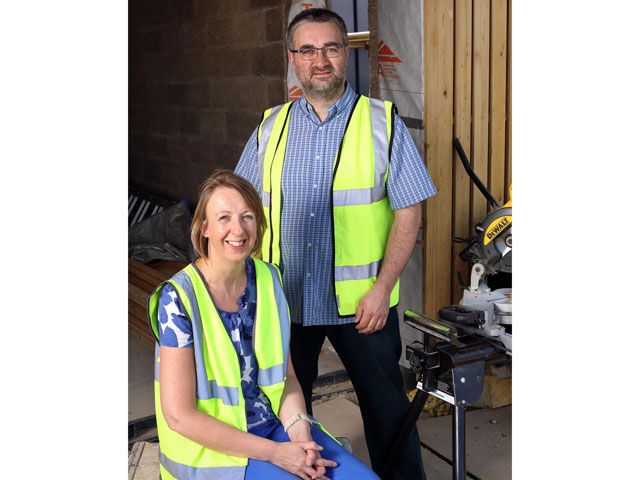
[228,404]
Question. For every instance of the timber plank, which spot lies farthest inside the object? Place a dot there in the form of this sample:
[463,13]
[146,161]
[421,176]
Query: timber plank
[145,273]
[148,277]
[139,323]
[140,327]
[142,283]
[138,318]
[480,132]
[498,85]
[143,280]
[508,166]
[138,295]
[439,152]
[167,268]
[462,129]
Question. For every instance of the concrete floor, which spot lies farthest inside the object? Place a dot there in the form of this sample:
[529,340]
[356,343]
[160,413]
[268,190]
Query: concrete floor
[140,378]
[488,446]
[488,432]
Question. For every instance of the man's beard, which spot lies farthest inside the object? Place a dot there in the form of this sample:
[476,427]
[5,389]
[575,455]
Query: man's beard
[325,89]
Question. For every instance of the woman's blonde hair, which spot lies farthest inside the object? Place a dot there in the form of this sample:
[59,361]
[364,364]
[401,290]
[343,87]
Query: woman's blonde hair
[225,178]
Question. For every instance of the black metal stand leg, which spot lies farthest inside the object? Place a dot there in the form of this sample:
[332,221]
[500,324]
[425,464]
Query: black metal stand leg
[459,471]
[409,422]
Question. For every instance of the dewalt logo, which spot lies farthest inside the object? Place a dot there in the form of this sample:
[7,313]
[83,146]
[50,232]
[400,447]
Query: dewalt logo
[497,226]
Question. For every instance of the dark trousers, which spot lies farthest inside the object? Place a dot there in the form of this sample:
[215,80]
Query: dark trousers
[372,364]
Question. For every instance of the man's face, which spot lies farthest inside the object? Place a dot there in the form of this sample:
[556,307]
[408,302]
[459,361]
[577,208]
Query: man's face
[322,77]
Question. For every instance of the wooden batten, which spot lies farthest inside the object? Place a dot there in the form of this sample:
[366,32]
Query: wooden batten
[463,44]
[143,279]
[480,130]
[498,89]
[507,167]
[438,120]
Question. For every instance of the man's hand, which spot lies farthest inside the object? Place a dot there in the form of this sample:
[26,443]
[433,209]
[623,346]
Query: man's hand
[373,310]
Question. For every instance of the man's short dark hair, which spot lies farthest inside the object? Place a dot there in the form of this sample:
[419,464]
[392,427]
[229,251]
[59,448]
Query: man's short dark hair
[315,15]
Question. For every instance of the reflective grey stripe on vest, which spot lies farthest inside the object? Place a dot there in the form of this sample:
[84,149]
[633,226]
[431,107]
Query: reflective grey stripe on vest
[187,472]
[271,376]
[277,373]
[358,272]
[359,196]
[266,199]
[228,395]
[265,133]
[380,141]
[156,368]
[205,389]
[366,196]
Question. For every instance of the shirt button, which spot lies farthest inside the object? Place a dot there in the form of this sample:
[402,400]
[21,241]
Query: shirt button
[321,127]
[315,185]
[308,274]
[309,244]
[317,157]
[313,214]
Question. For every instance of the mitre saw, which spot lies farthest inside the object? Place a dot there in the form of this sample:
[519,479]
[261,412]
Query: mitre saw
[482,310]
[467,337]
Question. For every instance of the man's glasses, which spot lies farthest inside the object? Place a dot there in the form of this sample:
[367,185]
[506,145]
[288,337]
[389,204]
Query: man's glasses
[311,53]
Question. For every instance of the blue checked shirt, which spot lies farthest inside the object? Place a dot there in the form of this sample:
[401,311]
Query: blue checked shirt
[306,233]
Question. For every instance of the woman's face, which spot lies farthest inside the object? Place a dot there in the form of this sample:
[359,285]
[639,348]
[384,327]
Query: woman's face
[230,226]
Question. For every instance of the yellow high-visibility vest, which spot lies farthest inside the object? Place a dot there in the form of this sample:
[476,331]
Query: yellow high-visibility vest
[218,376]
[362,217]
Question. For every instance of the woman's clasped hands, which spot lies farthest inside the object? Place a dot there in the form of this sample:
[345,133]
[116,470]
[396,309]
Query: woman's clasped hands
[301,458]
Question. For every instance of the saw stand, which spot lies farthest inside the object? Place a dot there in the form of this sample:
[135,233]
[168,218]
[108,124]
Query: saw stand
[450,367]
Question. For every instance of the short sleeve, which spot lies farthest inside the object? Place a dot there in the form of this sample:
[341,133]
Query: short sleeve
[409,181]
[175,326]
[247,167]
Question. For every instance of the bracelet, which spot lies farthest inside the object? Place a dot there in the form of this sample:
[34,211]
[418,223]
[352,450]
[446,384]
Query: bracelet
[295,418]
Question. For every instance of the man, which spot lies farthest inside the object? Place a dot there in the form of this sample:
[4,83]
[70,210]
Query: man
[341,184]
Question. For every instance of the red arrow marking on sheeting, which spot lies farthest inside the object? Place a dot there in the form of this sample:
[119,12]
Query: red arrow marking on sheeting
[385,54]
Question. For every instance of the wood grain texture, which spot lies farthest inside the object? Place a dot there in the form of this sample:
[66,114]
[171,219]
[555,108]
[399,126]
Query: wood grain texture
[480,133]
[439,152]
[462,129]
[498,89]
[143,279]
[468,95]
[508,166]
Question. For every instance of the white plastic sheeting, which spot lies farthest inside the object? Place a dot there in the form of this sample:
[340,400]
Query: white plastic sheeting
[401,80]
[401,61]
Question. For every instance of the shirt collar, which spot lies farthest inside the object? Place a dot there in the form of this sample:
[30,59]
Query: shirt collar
[346,99]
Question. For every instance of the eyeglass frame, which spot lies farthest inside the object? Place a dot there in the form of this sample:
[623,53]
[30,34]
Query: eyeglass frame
[317,50]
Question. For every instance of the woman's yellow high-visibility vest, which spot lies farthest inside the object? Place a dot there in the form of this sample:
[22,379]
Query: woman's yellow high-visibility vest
[218,378]
[362,217]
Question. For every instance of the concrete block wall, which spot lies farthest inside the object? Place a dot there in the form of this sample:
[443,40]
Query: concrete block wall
[200,74]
